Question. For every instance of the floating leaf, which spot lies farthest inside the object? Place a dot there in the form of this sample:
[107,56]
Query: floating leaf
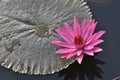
[26,28]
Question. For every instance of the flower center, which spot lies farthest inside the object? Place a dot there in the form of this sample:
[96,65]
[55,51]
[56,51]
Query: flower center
[78,40]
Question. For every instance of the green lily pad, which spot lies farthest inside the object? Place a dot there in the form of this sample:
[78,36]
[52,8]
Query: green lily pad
[26,28]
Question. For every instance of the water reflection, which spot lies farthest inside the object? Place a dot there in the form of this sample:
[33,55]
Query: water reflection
[117,78]
[89,68]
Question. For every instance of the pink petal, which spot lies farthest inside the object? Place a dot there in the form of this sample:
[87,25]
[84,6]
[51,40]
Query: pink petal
[89,52]
[95,37]
[69,29]
[65,36]
[93,26]
[76,26]
[88,47]
[89,29]
[70,55]
[80,58]
[84,23]
[62,44]
[86,30]
[92,22]
[94,43]
[64,56]
[79,52]
[99,34]
[65,50]
[86,33]
[97,49]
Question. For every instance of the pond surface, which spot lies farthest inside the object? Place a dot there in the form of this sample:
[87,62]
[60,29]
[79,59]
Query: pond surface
[104,66]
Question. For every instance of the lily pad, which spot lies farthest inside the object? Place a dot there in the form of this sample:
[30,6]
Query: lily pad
[26,28]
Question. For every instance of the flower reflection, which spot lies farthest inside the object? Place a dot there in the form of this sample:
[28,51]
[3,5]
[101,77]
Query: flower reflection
[89,68]
[117,78]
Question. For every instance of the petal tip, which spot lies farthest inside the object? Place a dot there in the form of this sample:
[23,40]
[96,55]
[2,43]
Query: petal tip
[79,61]
[75,19]
[62,57]
[80,58]
[52,42]
[103,31]
[58,52]
[98,49]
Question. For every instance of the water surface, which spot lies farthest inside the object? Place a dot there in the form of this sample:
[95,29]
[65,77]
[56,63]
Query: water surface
[104,66]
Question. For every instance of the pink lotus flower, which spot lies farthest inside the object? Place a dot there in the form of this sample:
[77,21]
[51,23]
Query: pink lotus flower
[78,41]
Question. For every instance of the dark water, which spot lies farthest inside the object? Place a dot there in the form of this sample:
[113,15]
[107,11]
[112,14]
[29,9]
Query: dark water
[104,66]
